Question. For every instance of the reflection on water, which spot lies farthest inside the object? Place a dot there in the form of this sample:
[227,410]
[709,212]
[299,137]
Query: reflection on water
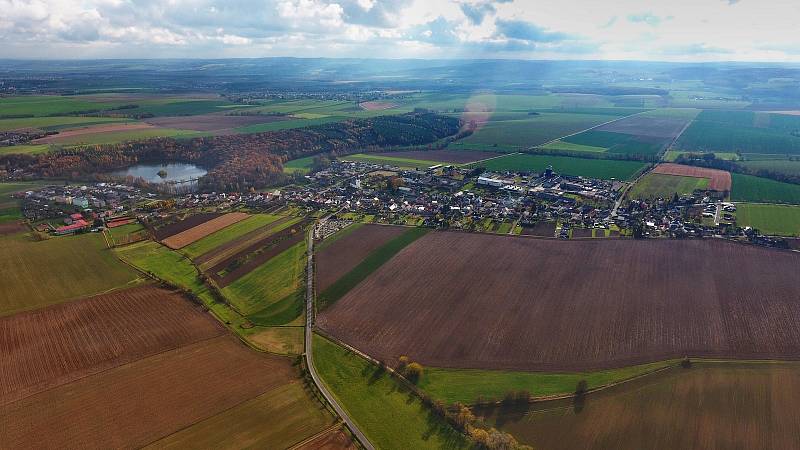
[161,173]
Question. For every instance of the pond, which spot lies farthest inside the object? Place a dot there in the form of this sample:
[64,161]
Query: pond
[161,173]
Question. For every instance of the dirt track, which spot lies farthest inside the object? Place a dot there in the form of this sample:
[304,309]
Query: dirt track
[719,180]
[482,301]
[59,344]
[335,260]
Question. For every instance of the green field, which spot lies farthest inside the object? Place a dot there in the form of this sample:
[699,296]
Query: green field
[386,412]
[227,234]
[747,188]
[466,385]
[656,185]
[571,147]
[272,294]
[617,142]
[592,168]
[742,131]
[24,149]
[113,137]
[120,235]
[741,405]
[533,130]
[56,123]
[302,165]
[47,105]
[781,220]
[278,418]
[165,264]
[37,274]
[393,161]
[773,165]
[370,264]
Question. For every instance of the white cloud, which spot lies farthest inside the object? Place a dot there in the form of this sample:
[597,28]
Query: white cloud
[621,29]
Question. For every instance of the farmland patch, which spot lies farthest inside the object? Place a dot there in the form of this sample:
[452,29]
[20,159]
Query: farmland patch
[658,185]
[592,168]
[747,188]
[53,346]
[36,274]
[202,230]
[445,156]
[721,405]
[137,403]
[339,258]
[719,180]
[514,303]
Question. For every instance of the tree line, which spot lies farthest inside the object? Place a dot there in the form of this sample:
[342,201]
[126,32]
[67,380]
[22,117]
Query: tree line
[236,162]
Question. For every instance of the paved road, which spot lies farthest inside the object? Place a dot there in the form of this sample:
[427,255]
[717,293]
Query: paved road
[309,348]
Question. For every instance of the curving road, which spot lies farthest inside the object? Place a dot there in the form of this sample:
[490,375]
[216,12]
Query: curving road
[309,348]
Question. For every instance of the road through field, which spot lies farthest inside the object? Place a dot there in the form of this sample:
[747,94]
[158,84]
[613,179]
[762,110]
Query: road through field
[309,347]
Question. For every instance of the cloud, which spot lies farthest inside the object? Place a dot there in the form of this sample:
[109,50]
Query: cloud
[647,18]
[622,29]
[476,12]
[527,31]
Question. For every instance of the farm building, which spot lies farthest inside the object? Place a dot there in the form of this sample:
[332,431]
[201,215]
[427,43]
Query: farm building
[76,226]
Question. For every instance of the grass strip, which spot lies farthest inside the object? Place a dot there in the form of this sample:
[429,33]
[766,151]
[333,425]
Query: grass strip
[387,412]
[370,264]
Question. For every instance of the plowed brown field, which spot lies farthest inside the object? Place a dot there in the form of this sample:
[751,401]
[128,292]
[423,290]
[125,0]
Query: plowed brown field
[482,301]
[183,225]
[335,260]
[53,346]
[138,403]
[720,180]
[198,232]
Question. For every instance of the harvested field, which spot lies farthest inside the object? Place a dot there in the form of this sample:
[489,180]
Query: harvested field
[112,127]
[719,179]
[236,266]
[168,230]
[660,127]
[38,274]
[198,232]
[377,106]
[11,227]
[339,258]
[53,346]
[213,122]
[710,406]
[448,156]
[333,440]
[543,229]
[279,418]
[138,403]
[495,302]
[236,245]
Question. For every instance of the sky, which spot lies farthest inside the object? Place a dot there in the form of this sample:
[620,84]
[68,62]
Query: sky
[665,30]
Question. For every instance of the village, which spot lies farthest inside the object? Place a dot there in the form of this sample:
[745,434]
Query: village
[546,204]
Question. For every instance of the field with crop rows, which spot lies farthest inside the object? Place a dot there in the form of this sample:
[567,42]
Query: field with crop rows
[345,253]
[742,131]
[59,344]
[747,188]
[37,274]
[531,304]
[202,230]
[592,168]
[711,405]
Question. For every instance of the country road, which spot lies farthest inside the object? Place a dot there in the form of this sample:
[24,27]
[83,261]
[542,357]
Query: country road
[309,348]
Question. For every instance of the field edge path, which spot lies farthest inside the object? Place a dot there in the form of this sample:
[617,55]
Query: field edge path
[309,347]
